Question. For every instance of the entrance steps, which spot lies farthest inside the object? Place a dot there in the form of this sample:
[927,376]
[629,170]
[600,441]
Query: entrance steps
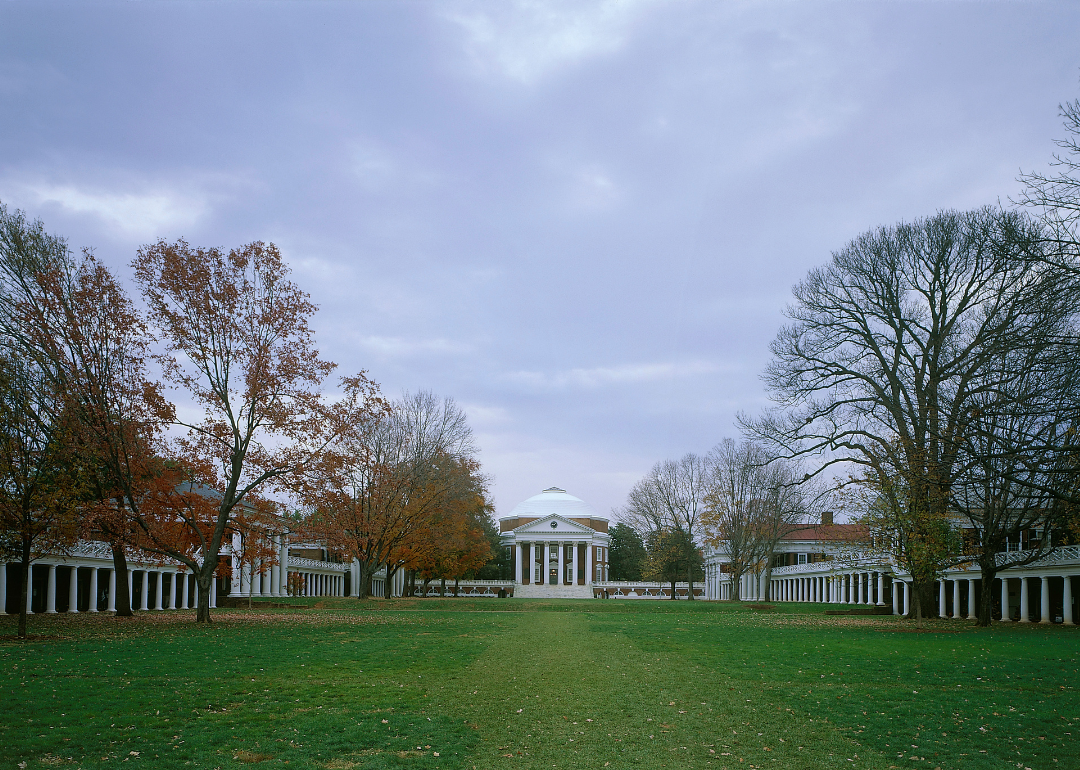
[553,592]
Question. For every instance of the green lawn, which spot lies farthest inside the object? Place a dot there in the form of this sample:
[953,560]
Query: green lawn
[533,684]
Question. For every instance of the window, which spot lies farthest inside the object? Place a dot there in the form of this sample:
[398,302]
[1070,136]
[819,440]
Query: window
[801,558]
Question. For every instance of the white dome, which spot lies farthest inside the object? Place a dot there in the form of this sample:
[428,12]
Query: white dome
[554,501]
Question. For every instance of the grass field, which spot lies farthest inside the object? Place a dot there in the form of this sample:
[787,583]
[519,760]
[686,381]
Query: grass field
[534,684]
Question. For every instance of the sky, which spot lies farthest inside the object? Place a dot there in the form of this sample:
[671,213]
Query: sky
[581,220]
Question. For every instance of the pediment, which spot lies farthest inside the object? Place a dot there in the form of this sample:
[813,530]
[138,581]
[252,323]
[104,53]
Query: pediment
[553,525]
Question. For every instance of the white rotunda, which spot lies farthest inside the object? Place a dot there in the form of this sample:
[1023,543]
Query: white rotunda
[558,541]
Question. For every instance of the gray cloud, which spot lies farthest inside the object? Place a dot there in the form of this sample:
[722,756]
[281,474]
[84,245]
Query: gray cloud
[582,219]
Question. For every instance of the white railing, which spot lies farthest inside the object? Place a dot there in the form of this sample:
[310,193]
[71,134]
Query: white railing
[837,565]
[645,589]
[329,566]
[1064,554]
[642,584]
[465,588]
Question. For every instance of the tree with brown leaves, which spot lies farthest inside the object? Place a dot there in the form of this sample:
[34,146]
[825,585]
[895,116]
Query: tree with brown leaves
[238,344]
[40,486]
[379,489]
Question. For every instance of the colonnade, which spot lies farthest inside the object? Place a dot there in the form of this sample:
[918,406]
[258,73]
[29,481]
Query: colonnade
[875,588]
[316,584]
[534,559]
[149,588]
[840,588]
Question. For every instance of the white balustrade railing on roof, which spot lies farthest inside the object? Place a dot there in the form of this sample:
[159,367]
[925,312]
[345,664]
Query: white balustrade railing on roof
[329,566]
[1069,554]
[833,566]
[643,584]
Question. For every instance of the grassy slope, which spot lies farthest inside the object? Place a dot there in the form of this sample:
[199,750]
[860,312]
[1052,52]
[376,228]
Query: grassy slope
[572,684]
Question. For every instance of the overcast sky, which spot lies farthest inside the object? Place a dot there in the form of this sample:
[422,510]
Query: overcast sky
[581,220]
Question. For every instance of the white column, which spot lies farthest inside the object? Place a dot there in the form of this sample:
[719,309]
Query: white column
[1005,600]
[574,563]
[158,590]
[92,607]
[213,592]
[283,589]
[941,599]
[907,598]
[1044,599]
[895,597]
[562,563]
[30,590]
[73,591]
[3,587]
[237,571]
[174,592]
[1066,597]
[589,564]
[972,614]
[1024,610]
[111,607]
[145,589]
[956,599]
[50,590]
[519,563]
[131,593]
[275,579]
[186,595]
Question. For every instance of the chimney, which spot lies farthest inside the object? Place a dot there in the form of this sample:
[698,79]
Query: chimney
[826,518]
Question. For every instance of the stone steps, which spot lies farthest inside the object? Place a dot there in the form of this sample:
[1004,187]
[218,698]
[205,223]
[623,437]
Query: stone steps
[553,592]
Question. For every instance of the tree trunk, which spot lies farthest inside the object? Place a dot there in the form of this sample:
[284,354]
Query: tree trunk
[27,570]
[365,580]
[122,600]
[690,583]
[986,601]
[673,597]
[456,583]
[205,578]
[442,587]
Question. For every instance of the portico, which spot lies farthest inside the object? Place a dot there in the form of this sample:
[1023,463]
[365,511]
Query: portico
[556,540]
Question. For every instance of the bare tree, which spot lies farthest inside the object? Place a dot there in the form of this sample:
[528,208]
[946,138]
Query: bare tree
[671,497]
[753,501]
[890,347]
[1057,194]
[1019,467]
